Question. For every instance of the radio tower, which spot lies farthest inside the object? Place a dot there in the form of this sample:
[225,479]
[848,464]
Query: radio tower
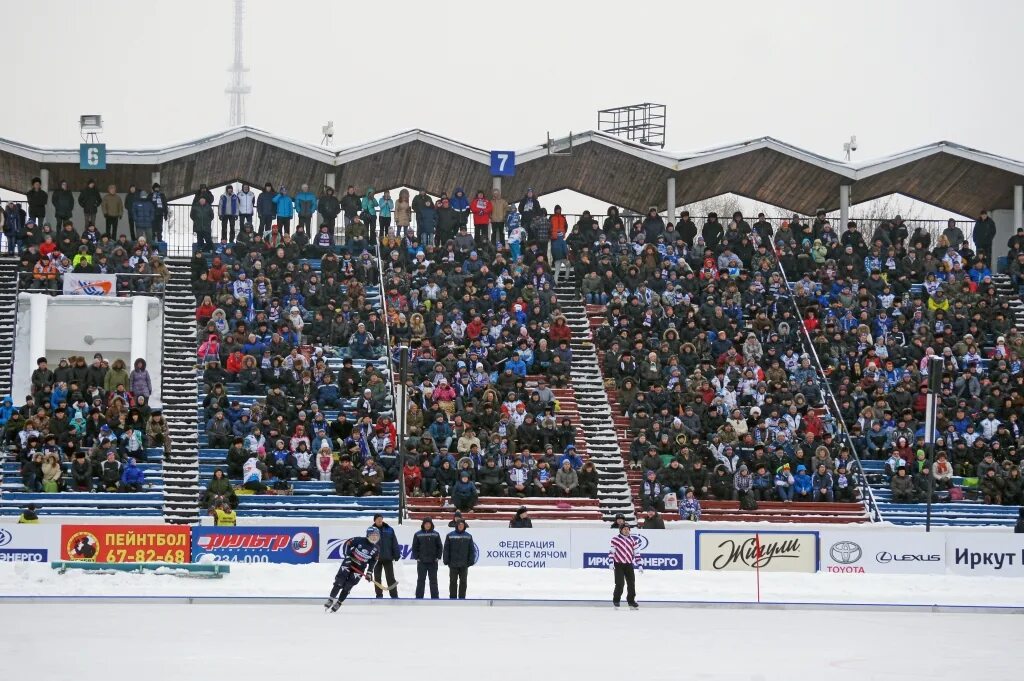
[238,89]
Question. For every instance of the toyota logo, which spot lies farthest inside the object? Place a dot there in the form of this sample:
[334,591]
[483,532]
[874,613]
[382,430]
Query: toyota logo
[845,552]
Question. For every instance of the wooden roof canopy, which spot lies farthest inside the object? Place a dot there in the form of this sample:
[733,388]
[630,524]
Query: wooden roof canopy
[946,175]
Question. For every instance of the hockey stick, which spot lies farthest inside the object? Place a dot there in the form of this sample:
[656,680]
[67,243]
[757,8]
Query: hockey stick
[383,587]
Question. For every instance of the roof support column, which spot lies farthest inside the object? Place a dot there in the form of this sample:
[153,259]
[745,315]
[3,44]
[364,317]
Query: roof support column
[844,207]
[670,200]
[329,179]
[1018,207]
[496,183]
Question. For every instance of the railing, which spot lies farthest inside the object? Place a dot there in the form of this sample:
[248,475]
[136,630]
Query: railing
[829,400]
[397,406]
[153,281]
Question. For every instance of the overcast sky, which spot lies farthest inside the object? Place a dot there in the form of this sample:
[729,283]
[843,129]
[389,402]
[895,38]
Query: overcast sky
[897,74]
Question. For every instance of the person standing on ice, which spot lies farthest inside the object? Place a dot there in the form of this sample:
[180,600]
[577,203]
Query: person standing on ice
[360,556]
[624,558]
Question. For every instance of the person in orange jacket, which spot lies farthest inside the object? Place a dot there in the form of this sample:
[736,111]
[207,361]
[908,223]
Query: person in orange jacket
[559,225]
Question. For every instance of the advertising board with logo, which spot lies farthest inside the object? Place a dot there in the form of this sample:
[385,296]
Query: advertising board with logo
[497,547]
[985,554]
[125,543]
[770,551]
[874,552]
[294,545]
[78,284]
[659,549]
[29,543]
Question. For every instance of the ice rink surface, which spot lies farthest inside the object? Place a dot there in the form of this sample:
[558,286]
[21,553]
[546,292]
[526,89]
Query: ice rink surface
[165,642]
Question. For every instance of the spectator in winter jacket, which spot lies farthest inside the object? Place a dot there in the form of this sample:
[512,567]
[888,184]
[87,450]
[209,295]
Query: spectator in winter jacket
[265,208]
[653,521]
[132,478]
[202,225]
[37,198]
[464,493]
[784,482]
[143,215]
[284,209]
[90,200]
[228,208]
[823,484]
[113,209]
[689,509]
[566,480]
[305,207]
[63,203]
[139,382]
[902,487]
[803,486]
[652,494]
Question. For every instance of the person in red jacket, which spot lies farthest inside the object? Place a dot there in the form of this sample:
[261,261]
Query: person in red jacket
[481,208]
[560,331]
[234,363]
[559,225]
[413,478]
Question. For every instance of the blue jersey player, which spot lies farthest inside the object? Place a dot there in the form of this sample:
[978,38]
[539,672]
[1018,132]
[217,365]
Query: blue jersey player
[360,556]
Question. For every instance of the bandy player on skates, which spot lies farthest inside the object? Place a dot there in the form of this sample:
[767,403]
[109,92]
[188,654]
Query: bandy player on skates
[624,557]
[360,556]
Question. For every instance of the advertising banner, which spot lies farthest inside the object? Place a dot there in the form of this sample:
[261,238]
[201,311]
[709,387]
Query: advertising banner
[499,547]
[770,551]
[659,549]
[875,552]
[77,284]
[293,545]
[125,543]
[29,543]
[985,554]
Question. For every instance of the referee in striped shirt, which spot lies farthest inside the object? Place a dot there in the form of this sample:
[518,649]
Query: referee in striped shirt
[624,557]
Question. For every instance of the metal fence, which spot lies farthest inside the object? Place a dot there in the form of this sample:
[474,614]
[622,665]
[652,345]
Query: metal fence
[180,238]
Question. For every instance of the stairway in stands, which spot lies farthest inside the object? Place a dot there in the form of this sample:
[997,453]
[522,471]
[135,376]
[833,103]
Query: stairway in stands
[1005,287]
[8,307]
[180,392]
[595,412]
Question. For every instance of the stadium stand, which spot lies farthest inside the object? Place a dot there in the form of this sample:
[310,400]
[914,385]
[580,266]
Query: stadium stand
[784,356]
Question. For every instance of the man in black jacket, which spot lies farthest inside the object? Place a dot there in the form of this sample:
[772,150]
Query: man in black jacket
[459,555]
[389,553]
[984,235]
[89,199]
[265,208]
[426,551]
[63,203]
[329,208]
[36,197]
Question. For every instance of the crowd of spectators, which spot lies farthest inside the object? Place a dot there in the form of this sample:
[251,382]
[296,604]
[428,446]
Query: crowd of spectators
[710,356]
[49,250]
[84,427]
[273,304]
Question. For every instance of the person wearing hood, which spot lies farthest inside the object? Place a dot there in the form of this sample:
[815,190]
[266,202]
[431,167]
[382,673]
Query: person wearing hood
[902,487]
[427,549]
[143,215]
[803,485]
[459,554]
[305,206]
[132,478]
[389,552]
[464,493]
[460,206]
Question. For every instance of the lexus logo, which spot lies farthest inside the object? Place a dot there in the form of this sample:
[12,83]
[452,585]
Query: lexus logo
[845,552]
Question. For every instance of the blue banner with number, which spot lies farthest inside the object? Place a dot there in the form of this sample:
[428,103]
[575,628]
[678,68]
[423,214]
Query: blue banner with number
[503,163]
[92,156]
[255,544]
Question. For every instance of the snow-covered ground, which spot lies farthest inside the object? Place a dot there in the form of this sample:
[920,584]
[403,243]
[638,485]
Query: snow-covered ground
[31,579]
[111,642]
